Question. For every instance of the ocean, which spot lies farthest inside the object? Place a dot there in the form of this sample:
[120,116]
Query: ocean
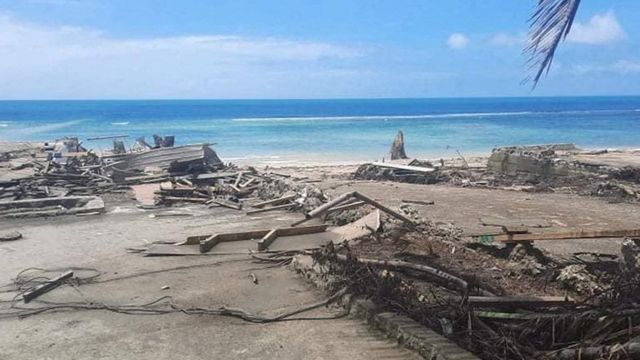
[334,131]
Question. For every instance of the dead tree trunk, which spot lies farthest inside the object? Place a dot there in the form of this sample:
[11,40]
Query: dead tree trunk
[397,148]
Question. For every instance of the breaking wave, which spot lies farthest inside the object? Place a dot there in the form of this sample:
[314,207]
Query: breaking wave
[426,116]
[122,123]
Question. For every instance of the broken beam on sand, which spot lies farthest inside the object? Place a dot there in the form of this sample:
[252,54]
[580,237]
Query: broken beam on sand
[538,301]
[580,234]
[227,204]
[346,196]
[418,202]
[275,201]
[404,167]
[348,206]
[207,242]
[277,207]
[46,287]
[272,235]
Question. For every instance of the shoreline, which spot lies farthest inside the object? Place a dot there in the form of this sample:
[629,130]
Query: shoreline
[317,159]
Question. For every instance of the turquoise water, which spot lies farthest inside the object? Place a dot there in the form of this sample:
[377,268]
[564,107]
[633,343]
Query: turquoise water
[335,130]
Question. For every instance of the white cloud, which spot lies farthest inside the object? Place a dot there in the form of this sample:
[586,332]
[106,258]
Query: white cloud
[620,67]
[504,39]
[458,41]
[600,29]
[61,62]
[627,67]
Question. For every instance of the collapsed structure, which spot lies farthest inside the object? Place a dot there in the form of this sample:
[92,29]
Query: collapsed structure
[434,273]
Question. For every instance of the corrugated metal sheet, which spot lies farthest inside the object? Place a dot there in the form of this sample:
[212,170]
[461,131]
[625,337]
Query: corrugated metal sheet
[165,158]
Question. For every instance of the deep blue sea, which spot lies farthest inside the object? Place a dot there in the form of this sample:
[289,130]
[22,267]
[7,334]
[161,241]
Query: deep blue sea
[278,131]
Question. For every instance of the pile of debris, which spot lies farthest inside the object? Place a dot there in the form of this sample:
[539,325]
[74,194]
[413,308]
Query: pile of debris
[474,297]
[59,172]
[536,168]
[415,171]
[231,188]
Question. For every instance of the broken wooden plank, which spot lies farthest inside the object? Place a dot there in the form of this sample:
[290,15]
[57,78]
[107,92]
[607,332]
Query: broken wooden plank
[207,244]
[209,241]
[277,207]
[185,199]
[384,208]
[238,179]
[326,206]
[418,202]
[227,204]
[247,183]
[275,201]
[348,206]
[511,301]
[46,287]
[267,239]
[580,234]
[344,197]
[404,167]
[272,235]
[512,316]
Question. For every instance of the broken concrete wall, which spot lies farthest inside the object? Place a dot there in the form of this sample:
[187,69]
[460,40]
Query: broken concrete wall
[537,160]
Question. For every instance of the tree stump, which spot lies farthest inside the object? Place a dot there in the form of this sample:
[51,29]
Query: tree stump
[397,148]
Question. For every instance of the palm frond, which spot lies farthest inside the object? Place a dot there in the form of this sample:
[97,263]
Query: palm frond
[549,25]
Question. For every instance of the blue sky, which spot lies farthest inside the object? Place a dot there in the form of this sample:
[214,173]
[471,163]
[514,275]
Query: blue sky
[92,49]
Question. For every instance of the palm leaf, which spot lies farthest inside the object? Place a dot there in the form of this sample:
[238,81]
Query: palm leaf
[549,24]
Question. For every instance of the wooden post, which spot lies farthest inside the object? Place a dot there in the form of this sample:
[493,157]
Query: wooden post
[46,287]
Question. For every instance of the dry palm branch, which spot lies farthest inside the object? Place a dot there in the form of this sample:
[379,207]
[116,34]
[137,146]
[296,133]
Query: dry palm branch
[549,25]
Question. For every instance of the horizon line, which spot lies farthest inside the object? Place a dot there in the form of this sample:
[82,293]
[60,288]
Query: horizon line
[322,98]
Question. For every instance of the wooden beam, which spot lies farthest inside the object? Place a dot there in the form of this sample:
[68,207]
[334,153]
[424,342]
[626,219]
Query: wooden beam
[580,234]
[264,243]
[404,167]
[272,235]
[238,179]
[539,301]
[419,202]
[374,203]
[277,207]
[209,242]
[348,206]
[227,204]
[275,201]
[46,287]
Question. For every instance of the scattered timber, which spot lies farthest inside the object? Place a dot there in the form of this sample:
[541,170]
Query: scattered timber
[346,196]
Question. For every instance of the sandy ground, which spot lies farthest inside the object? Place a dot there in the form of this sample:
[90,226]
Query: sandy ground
[100,241]
[469,208]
